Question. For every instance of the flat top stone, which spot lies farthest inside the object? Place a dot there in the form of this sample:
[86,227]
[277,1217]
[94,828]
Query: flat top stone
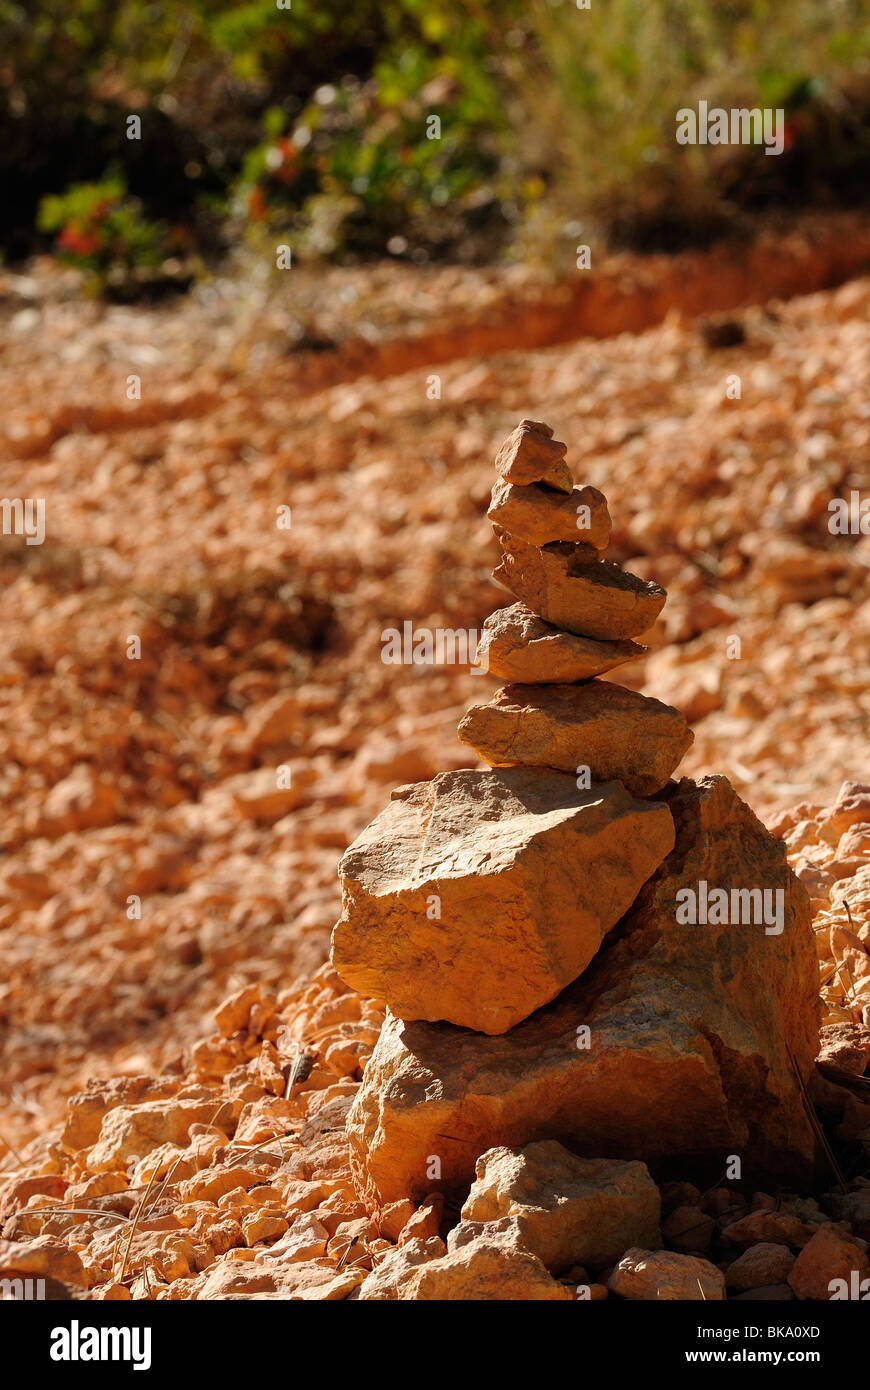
[615,732]
[519,646]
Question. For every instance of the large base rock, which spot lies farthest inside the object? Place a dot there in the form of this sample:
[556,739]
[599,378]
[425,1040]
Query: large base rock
[693,1034]
[616,733]
[478,896]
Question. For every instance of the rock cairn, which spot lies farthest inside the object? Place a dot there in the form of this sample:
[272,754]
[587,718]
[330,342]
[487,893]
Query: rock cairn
[520,920]
[576,619]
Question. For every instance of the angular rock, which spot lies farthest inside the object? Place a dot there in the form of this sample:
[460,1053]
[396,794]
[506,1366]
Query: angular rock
[539,515]
[393,1269]
[530,454]
[690,1030]
[137,1130]
[568,585]
[853,1207]
[570,1210]
[829,1264]
[664,1276]
[493,1265]
[426,1221]
[852,806]
[616,733]
[759,1267]
[845,1046]
[44,1257]
[689,1229]
[769,1227]
[476,897]
[517,645]
[306,1240]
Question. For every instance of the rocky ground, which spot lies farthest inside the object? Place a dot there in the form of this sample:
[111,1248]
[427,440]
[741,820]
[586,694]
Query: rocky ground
[154,869]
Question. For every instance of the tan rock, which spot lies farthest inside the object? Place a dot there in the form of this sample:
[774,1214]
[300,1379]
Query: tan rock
[570,1210]
[426,1221]
[853,850]
[44,1257]
[394,1217]
[492,1266]
[233,1013]
[539,515]
[846,1046]
[333,1290]
[519,646]
[126,1130]
[306,1240]
[229,1277]
[476,897]
[16,1193]
[531,455]
[393,1269]
[664,1275]
[687,1050]
[569,586]
[759,1266]
[263,1225]
[851,807]
[826,1259]
[615,733]
[268,793]
[85,1111]
[274,722]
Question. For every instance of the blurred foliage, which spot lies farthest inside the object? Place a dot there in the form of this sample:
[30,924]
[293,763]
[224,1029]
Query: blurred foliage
[316,122]
[103,231]
[615,75]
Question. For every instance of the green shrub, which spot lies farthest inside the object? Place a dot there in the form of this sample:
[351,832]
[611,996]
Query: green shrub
[102,230]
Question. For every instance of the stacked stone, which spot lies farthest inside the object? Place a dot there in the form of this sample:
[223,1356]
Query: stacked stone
[575,620]
[477,897]
[480,906]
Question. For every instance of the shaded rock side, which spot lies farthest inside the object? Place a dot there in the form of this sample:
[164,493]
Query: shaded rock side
[567,585]
[690,1031]
[478,896]
[517,645]
[616,733]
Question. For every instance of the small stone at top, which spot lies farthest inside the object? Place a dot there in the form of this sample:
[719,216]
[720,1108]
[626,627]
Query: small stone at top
[531,455]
